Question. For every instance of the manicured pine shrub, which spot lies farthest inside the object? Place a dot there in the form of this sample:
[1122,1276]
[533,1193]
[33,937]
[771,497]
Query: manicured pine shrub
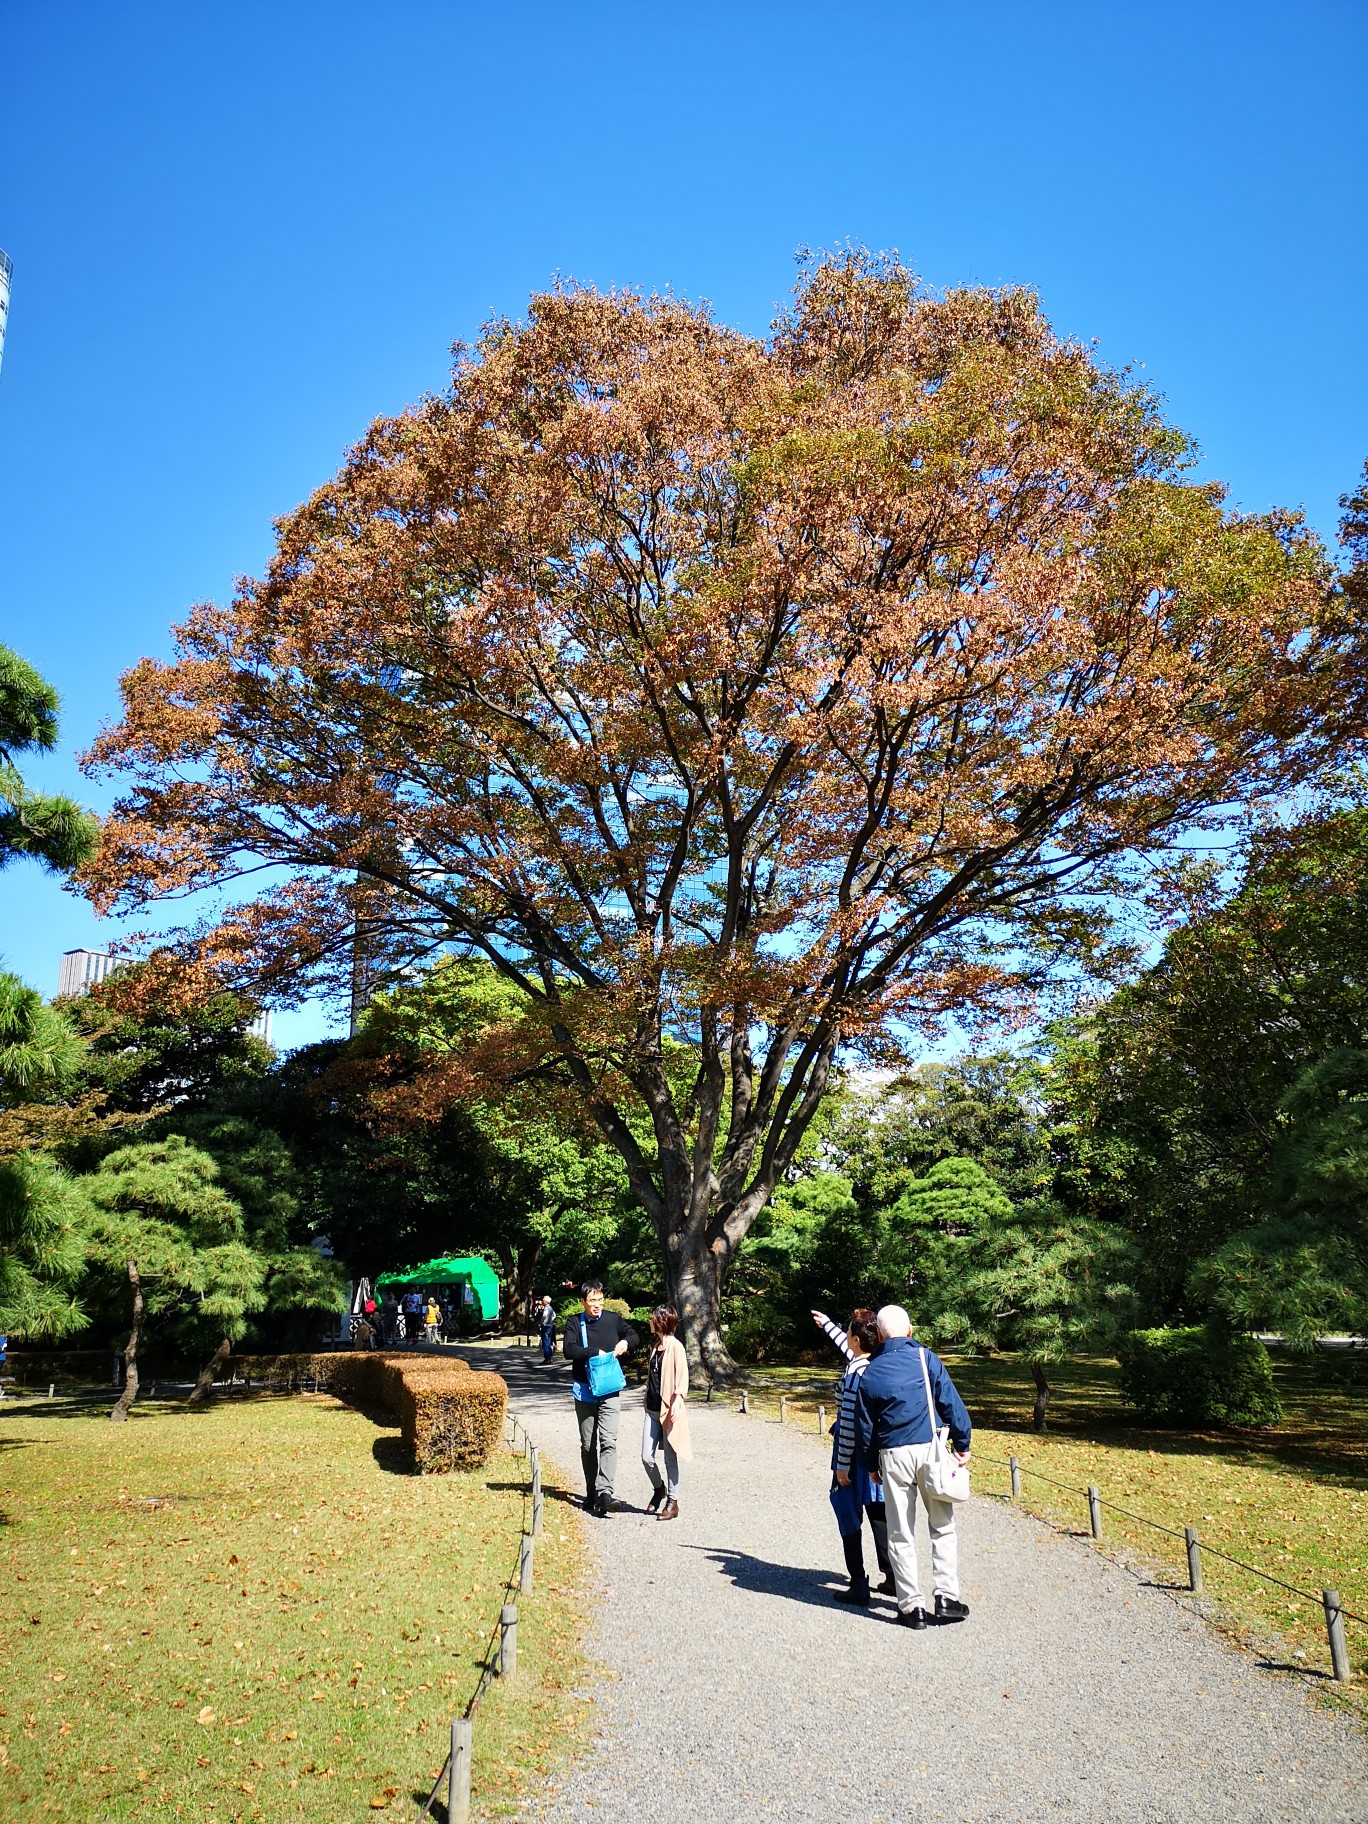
[1198,1376]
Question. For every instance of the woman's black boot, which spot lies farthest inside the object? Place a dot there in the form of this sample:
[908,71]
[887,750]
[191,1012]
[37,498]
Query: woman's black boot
[858,1593]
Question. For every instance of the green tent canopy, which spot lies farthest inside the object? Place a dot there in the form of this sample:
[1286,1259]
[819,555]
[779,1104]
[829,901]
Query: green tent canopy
[452,1270]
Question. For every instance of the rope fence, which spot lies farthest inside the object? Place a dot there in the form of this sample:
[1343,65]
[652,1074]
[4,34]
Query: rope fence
[500,1656]
[1328,1600]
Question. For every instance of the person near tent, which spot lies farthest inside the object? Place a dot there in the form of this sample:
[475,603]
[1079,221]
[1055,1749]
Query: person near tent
[432,1318]
[412,1302]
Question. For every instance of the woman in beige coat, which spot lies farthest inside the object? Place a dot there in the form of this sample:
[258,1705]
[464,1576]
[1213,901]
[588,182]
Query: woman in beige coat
[666,1427]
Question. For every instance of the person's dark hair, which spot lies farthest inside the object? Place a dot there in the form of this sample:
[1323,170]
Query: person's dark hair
[864,1327]
[591,1285]
[664,1320]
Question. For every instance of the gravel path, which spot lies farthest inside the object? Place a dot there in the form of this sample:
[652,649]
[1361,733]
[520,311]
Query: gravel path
[737,1691]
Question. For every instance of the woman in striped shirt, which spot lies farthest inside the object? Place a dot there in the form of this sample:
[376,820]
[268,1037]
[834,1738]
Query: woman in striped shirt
[853,1495]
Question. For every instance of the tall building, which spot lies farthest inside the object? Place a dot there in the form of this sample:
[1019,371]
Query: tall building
[6,268]
[82,970]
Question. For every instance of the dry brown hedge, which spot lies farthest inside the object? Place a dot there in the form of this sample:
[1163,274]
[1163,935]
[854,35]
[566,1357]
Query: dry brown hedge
[450,1415]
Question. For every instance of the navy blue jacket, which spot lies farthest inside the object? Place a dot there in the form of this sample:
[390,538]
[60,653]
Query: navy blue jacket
[890,1407]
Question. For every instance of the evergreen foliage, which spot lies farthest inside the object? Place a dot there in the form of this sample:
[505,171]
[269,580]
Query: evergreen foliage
[43,1215]
[1196,1375]
[45,827]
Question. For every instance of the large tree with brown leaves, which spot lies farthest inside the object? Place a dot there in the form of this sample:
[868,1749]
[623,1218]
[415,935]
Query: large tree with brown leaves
[740,700]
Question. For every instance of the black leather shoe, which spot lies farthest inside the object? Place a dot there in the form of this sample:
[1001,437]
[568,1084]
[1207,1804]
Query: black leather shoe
[888,1587]
[856,1594]
[655,1500]
[912,1618]
[603,1507]
[949,1608]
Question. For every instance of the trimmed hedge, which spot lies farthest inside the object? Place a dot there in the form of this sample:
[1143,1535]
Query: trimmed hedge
[1197,1377]
[574,1307]
[450,1415]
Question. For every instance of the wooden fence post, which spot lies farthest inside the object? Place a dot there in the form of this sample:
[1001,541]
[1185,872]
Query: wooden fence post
[536,1491]
[783,1407]
[1095,1512]
[525,1565]
[458,1788]
[745,1400]
[821,1418]
[1194,1555]
[508,1641]
[1334,1627]
[1014,1464]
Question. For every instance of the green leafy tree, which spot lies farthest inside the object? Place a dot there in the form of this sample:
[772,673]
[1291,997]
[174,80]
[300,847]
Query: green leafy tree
[258,1171]
[1304,1271]
[164,1222]
[44,827]
[524,1169]
[41,1209]
[983,1274]
[813,1247]
[986,1109]
[147,1051]
[1172,1105]
[1043,1284]
[930,1227]
[382,1194]
[43,1214]
[40,1052]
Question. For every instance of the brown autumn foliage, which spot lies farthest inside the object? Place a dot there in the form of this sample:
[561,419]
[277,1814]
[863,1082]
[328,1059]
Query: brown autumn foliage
[740,700]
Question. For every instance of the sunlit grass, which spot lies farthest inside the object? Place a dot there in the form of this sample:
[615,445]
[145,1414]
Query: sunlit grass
[254,1612]
[1292,1499]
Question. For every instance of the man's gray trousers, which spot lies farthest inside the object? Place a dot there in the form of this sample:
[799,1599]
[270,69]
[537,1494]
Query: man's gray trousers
[598,1429]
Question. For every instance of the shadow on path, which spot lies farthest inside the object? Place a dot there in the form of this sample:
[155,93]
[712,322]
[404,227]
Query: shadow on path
[766,1578]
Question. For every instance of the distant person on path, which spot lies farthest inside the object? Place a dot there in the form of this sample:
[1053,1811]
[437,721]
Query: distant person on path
[596,1332]
[853,1495]
[545,1316]
[433,1318]
[666,1419]
[894,1435]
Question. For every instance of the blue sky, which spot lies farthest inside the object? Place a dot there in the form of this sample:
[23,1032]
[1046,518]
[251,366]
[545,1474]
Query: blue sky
[240,233]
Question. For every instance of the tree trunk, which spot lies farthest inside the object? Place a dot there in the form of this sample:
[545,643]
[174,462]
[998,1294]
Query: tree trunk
[525,1272]
[1042,1396]
[204,1385]
[695,1275]
[130,1354]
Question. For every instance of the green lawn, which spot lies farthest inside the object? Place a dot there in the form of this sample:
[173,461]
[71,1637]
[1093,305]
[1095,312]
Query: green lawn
[256,1612]
[1292,1500]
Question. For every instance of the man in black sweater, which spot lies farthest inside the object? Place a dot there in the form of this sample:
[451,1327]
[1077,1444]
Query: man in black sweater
[596,1332]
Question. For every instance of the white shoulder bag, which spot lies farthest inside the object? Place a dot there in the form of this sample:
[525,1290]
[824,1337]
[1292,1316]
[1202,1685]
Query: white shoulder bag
[945,1476]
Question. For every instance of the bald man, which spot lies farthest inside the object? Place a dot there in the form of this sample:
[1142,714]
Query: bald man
[894,1420]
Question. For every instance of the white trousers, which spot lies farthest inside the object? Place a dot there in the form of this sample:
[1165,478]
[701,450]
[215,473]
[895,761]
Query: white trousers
[903,1473]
